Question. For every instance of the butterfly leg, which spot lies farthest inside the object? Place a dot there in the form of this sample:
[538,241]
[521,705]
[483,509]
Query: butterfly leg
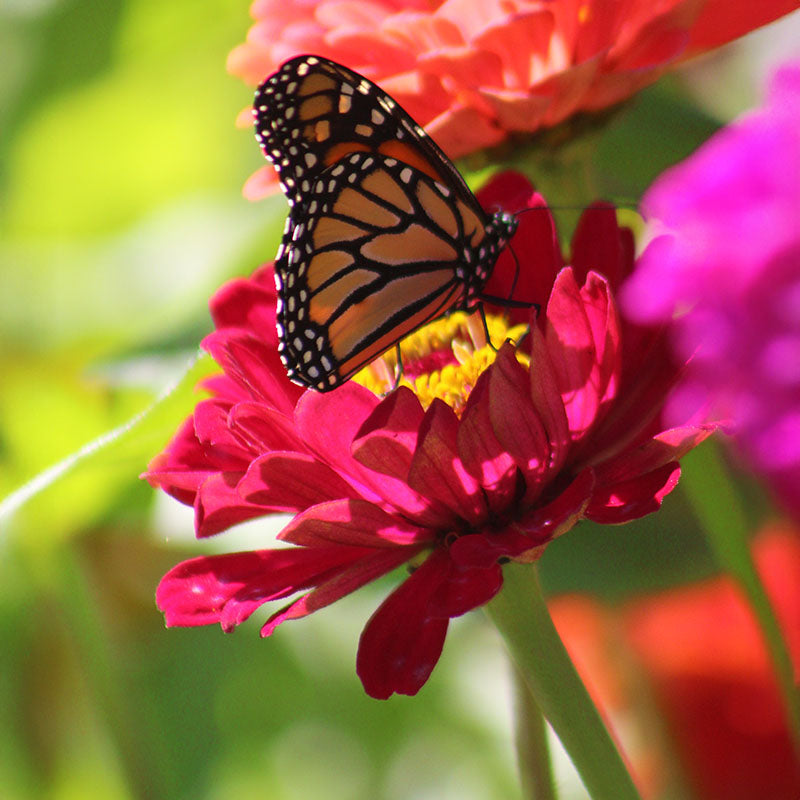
[486,328]
[398,373]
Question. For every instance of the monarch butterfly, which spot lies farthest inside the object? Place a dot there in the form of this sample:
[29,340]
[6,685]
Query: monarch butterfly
[383,234]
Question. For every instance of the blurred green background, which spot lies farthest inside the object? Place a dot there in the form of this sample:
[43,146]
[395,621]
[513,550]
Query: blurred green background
[121,212]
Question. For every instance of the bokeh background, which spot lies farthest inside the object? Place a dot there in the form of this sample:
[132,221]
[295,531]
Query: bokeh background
[120,213]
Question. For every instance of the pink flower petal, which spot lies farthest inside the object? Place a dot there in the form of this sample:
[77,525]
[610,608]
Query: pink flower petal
[462,67]
[355,523]
[437,471]
[514,420]
[291,482]
[402,640]
[329,423]
[229,588]
[627,500]
[547,402]
[264,181]
[264,429]
[386,440]
[482,454]
[515,39]
[213,432]
[341,583]
[255,366]
[248,303]
[583,337]
[664,448]
[218,505]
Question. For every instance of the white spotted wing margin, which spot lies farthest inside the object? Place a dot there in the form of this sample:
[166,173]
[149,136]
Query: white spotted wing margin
[313,111]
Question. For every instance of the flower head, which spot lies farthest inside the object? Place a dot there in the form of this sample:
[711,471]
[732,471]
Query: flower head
[540,437]
[475,73]
[728,265]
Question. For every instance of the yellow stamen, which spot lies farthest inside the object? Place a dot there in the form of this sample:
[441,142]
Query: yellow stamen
[459,336]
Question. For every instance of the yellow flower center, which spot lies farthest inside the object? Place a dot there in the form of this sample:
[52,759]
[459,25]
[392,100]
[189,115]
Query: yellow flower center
[443,359]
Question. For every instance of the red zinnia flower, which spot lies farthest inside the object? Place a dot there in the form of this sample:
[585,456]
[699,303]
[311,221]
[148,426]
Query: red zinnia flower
[709,670]
[535,442]
[474,73]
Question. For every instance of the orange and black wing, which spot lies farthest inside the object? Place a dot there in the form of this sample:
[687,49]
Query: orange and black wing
[383,234]
[313,112]
[378,250]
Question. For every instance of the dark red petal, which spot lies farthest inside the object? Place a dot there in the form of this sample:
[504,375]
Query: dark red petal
[600,245]
[482,454]
[526,536]
[627,500]
[510,191]
[264,428]
[255,366]
[248,303]
[402,641]
[665,447]
[218,504]
[353,522]
[466,589]
[291,482]
[649,374]
[584,341]
[436,470]
[329,423]
[342,582]
[533,258]
[546,522]
[228,588]
[514,420]
[547,401]
[388,437]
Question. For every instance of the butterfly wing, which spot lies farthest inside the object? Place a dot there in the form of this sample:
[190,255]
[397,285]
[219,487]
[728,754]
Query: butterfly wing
[313,112]
[383,233]
[378,250]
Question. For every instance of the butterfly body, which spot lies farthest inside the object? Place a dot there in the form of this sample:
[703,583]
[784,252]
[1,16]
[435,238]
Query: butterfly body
[383,234]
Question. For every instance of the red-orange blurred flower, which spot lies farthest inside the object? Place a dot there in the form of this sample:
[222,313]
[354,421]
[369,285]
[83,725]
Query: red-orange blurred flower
[709,670]
[474,72]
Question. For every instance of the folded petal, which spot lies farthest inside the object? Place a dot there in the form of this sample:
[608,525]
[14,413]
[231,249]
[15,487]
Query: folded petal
[229,588]
[634,498]
[341,583]
[291,482]
[481,452]
[354,523]
[436,469]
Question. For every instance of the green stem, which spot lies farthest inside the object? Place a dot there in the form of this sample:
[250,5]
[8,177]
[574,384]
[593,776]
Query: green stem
[520,613]
[716,504]
[533,752]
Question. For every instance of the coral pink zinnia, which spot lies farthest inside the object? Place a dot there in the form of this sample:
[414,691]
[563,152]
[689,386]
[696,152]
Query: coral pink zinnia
[472,73]
[567,430]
